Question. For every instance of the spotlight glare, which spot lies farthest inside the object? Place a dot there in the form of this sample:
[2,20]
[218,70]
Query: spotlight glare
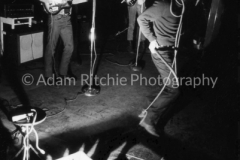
[92,36]
[76,156]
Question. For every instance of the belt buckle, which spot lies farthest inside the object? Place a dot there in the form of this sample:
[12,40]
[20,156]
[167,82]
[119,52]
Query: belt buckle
[162,48]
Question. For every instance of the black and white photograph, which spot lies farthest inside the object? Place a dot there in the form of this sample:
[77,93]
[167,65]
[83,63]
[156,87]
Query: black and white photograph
[119,80]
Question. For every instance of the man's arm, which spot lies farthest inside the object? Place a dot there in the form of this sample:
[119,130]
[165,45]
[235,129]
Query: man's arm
[144,21]
[152,14]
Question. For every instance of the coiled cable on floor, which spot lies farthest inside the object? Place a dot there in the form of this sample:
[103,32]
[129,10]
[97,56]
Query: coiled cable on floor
[25,140]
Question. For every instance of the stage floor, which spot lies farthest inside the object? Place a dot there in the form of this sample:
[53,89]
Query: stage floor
[196,130]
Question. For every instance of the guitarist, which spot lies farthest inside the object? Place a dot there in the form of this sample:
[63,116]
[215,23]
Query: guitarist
[59,25]
[134,10]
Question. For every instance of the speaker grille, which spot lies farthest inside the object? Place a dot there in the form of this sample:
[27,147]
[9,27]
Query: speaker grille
[31,47]
[37,45]
[25,42]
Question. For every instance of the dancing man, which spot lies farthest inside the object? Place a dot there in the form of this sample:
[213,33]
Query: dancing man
[159,24]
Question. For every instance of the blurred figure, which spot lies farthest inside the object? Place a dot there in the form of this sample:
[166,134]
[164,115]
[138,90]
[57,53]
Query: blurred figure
[59,25]
[133,12]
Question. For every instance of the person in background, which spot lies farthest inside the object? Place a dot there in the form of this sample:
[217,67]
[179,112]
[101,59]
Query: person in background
[133,12]
[59,25]
[10,135]
[159,25]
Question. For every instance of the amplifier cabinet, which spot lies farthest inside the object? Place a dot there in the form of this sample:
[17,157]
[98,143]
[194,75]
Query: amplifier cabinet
[17,10]
[23,47]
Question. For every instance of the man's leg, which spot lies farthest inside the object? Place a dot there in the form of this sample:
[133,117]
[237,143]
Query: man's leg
[169,94]
[67,37]
[53,35]
[132,11]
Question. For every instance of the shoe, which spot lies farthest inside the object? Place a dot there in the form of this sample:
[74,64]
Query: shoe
[149,128]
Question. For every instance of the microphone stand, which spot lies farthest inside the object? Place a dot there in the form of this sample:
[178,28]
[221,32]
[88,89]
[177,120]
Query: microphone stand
[136,66]
[91,89]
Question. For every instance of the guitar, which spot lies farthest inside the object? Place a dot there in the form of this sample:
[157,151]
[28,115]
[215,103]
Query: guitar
[54,9]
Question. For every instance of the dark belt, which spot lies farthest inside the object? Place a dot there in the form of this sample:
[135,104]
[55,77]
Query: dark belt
[163,48]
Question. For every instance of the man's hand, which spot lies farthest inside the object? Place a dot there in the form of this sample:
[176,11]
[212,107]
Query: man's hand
[140,2]
[152,46]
